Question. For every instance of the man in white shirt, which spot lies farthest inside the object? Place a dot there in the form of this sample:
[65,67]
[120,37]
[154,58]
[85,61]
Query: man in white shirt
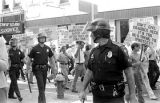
[79,64]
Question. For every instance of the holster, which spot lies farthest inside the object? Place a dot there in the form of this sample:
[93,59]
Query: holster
[108,91]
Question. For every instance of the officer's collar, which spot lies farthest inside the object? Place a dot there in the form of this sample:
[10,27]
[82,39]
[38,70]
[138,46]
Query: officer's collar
[108,44]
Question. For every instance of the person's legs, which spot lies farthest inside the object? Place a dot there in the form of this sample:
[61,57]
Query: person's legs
[138,82]
[41,86]
[14,85]
[156,75]
[31,77]
[147,85]
[3,95]
[77,74]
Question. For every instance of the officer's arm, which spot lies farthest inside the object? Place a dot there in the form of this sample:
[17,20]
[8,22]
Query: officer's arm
[130,79]
[87,78]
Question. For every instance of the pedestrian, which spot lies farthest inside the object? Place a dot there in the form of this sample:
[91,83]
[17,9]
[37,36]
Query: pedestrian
[136,63]
[79,64]
[3,68]
[16,57]
[153,70]
[41,54]
[63,64]
[145,79]
[106,64]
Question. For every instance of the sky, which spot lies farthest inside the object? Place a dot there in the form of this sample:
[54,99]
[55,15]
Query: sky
[108,5]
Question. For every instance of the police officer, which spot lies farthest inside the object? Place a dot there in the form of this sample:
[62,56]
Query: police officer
[106,64]
[41,54]
[16,57]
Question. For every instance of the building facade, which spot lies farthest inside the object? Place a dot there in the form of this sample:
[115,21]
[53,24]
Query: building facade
[34,14]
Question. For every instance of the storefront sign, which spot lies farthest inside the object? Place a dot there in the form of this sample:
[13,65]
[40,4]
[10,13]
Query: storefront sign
[145,33]
[11,28]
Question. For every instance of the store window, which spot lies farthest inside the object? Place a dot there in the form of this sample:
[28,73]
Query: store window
[124,28]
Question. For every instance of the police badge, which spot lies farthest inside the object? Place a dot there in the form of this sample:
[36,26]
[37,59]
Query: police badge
[109,55]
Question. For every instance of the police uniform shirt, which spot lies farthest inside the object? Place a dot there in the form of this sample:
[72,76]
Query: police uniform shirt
[15,56]
[107,62]
[40,54]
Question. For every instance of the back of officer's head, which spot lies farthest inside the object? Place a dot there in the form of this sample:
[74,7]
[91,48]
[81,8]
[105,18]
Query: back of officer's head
[100,28]
[135,45]
[13,42]
[42,38]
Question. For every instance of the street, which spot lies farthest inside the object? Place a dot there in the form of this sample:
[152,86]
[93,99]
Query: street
[51,94]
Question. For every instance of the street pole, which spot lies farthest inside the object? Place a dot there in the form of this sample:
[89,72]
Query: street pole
[92,18]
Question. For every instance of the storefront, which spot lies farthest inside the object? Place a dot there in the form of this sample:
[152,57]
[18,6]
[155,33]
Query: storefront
[118,19]
[10,18]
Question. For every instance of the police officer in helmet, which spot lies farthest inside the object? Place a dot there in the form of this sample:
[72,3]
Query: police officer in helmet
[106,64]
[40,55]
[16,57]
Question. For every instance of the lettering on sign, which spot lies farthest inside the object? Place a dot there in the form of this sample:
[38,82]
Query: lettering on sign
[145,33]
[11,28]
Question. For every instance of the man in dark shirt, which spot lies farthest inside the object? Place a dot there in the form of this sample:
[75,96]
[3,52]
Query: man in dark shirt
[40,54]
[105,68]
[16,57]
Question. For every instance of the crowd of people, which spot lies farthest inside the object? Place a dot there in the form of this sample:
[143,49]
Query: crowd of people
[101,68]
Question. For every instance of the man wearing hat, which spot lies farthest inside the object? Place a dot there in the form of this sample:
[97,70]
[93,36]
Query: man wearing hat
[106,64]
[40,55]
[16,57]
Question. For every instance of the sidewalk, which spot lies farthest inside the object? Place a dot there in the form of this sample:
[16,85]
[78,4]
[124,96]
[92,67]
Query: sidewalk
[51,94]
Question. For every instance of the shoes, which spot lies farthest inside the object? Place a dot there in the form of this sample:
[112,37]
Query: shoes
[12,97]
[74,91]
[20,99]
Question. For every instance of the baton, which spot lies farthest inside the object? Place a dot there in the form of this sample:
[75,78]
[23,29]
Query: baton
[28,83]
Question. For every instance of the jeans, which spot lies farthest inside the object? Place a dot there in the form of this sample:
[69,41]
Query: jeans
[138,83]
[41,76]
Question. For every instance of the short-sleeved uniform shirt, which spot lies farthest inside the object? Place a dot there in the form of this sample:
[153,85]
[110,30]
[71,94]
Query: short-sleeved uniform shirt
[40,54]
[16,56]
[107,62]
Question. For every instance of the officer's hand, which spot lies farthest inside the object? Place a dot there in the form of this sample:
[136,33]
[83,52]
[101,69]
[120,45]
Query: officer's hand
[133,99]
[82,96]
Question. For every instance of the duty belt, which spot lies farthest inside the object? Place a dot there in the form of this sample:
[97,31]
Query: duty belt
[15,65]
[41,66]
